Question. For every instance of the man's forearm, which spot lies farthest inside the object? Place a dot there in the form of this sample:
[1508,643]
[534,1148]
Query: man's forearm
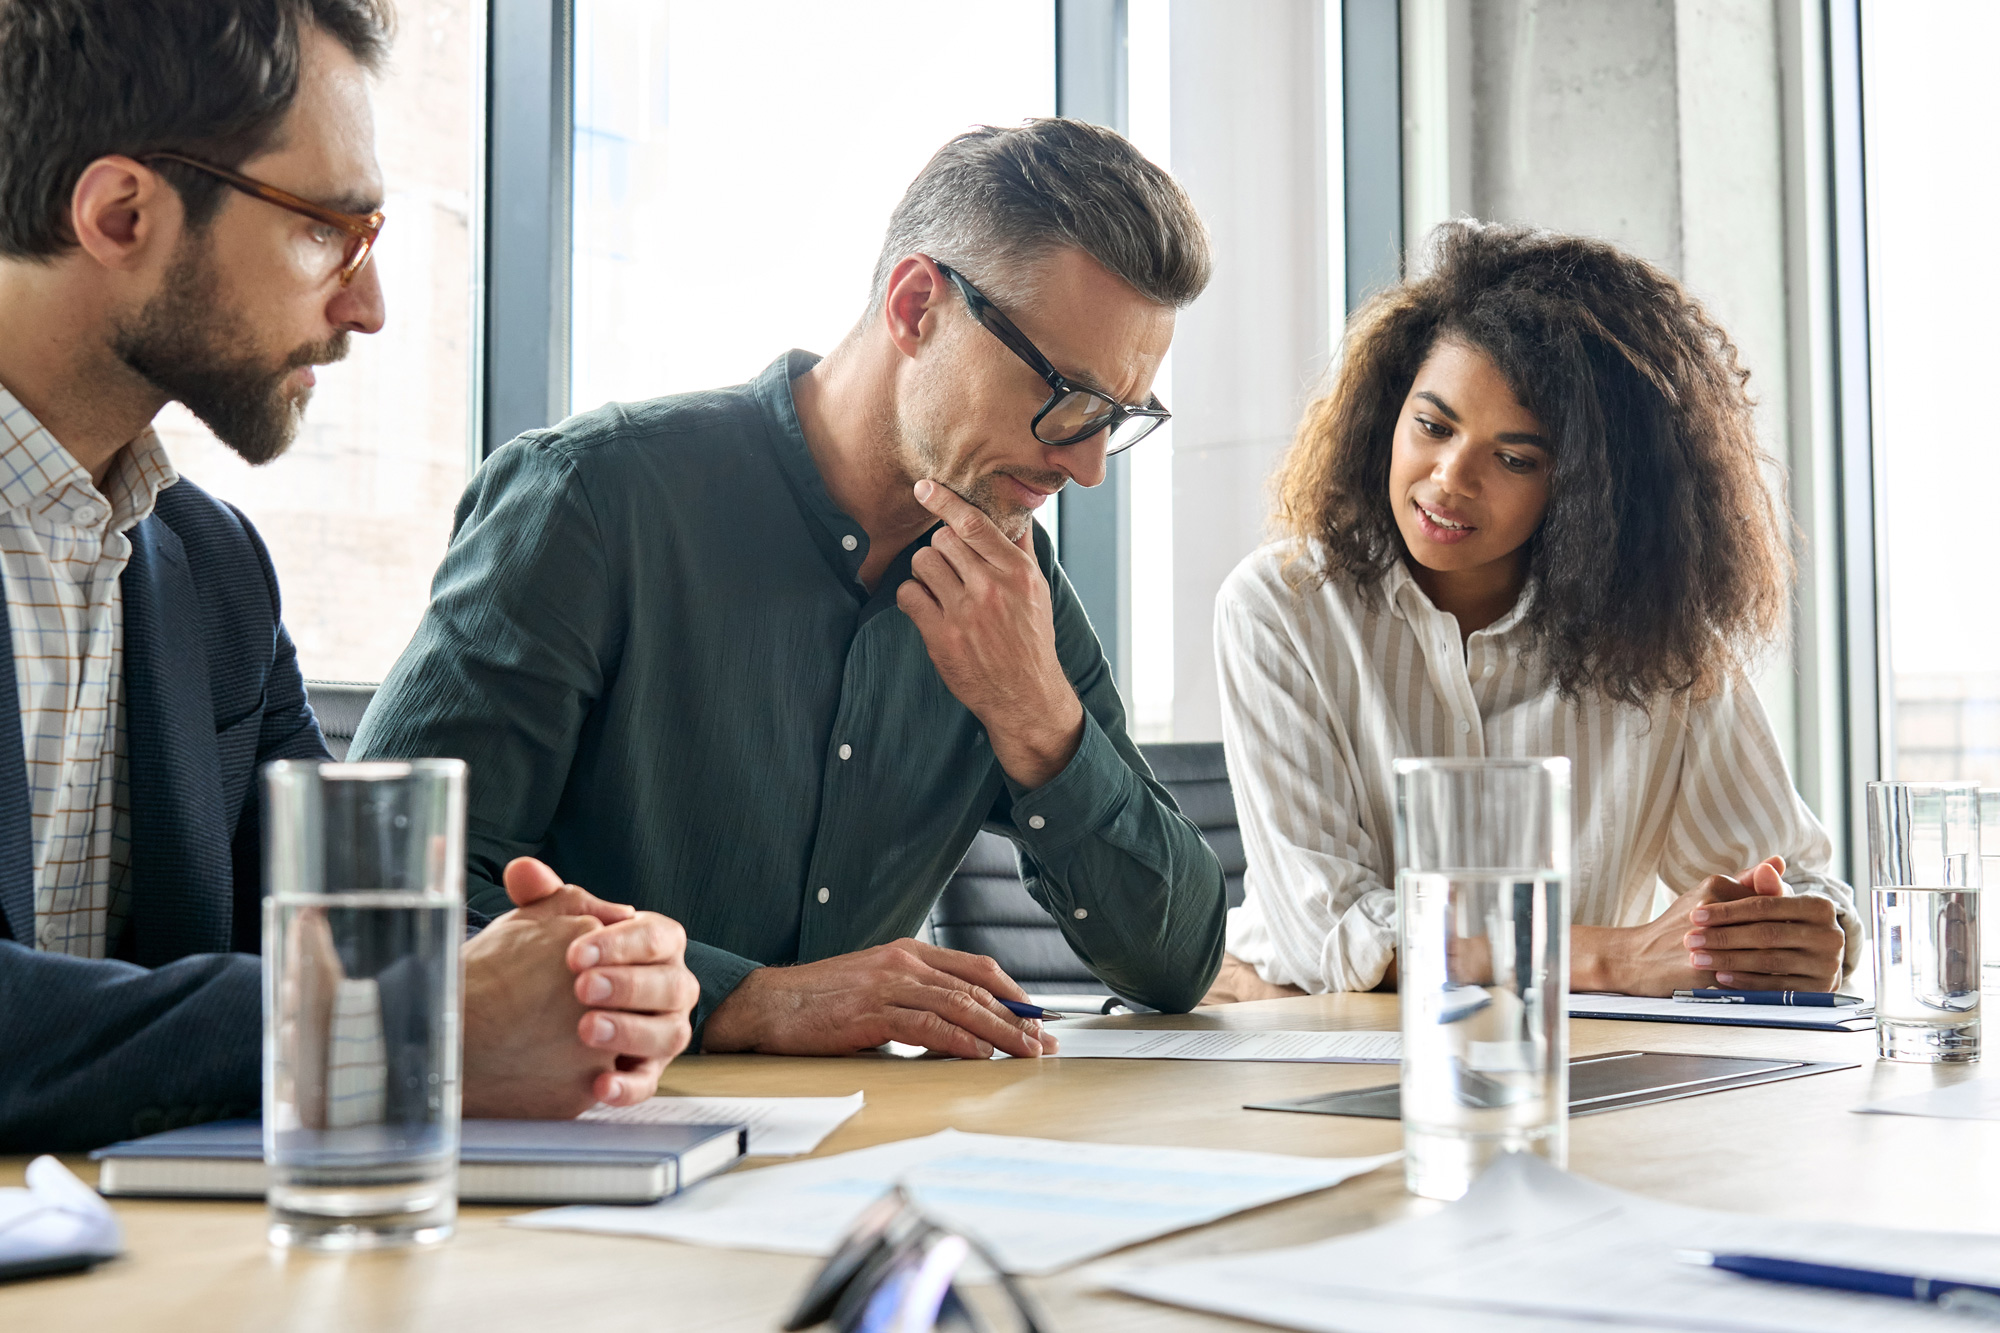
[133,1052]
[1137,892]
[720,972]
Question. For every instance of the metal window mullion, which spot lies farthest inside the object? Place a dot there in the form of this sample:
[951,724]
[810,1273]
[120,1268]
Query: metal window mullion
[1371,93]
[525,263]
[1095,524]
[1865,661]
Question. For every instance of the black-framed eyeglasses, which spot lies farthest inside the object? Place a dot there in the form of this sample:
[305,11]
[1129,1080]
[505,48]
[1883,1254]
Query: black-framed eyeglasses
[1073,413]
[894,1274]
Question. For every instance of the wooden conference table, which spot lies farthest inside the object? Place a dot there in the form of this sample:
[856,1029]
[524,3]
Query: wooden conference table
[1791,1148]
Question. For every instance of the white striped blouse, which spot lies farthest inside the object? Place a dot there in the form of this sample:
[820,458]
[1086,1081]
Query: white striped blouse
[1323,687]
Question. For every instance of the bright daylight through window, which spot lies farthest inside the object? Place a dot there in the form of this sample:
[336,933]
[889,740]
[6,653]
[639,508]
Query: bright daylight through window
[1932,129]
[736,165]
[358,511]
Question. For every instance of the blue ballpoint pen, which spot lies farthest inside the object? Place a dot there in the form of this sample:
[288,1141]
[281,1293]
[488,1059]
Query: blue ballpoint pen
[1817,999]
[1030,1010]
[1964,1297]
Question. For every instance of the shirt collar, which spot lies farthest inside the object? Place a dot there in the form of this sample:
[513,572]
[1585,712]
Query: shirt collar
[35,470]
[1406,598]
[843,541]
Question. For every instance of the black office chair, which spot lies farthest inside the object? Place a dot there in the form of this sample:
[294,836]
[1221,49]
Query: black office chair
[986,909]
[338,705]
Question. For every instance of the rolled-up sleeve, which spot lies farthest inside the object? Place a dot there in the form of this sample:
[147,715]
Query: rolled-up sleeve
[1315,914]
[1137,892]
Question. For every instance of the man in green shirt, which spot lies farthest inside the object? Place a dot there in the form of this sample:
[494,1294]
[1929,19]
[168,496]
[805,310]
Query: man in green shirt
[765,659]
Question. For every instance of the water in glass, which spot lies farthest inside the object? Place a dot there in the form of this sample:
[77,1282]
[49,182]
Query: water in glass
[1485,1043]
[1927,974]
[1989,860]
[361,1112]
[1924,878]
[366,868]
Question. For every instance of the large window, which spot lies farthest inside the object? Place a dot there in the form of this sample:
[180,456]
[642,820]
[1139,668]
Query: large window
[1933,129]
[736,164]
[357,513]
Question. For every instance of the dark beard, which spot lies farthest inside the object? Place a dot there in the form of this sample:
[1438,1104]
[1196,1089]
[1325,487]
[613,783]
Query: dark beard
[194,350]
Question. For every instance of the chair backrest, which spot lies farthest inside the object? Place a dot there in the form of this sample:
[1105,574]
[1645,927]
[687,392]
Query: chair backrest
[338,705]
[986,909]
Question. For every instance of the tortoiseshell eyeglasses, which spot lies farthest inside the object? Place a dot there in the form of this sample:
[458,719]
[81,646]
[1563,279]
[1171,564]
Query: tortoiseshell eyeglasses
[361,228]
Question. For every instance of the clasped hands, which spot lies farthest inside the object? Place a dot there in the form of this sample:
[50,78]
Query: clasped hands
[570,1001]
[1741,932]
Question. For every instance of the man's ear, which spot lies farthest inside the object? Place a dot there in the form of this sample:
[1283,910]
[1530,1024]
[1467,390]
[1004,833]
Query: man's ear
[916,288]
[124,214]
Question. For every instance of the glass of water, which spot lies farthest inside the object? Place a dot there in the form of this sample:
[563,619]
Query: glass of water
[1923,876]
[1483,859]
[1989,868]
[365,867]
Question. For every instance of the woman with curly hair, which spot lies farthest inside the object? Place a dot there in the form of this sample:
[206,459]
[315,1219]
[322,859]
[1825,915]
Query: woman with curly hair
[1528,519]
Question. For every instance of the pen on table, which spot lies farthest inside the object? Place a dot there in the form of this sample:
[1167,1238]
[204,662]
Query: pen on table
[1816,999]
[1030,1010]
[1964,1297]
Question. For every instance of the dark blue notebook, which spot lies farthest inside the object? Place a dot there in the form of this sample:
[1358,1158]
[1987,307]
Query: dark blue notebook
[499,1161]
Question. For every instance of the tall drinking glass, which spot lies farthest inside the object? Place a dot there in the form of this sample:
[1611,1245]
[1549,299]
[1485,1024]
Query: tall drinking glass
[1989,868]
[365,865]
[1924,875]
[1483,859]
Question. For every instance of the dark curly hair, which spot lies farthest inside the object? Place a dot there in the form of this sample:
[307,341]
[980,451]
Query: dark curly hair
[1662,561]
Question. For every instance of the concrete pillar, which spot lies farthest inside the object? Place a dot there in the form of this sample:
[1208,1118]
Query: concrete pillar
[1656,124]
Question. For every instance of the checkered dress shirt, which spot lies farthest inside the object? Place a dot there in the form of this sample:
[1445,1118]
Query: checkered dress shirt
[63,546]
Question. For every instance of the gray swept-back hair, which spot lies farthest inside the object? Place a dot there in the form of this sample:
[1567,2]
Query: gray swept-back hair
[993,201]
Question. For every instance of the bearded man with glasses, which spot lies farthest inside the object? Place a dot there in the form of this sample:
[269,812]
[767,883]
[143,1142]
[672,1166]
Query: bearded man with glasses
[767,658]
[188,202]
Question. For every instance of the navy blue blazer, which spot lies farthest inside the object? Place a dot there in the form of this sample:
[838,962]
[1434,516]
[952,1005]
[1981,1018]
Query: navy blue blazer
[171,1032]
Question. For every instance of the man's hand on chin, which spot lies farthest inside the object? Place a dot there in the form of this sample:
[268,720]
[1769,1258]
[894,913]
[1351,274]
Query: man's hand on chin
[983,608]
[570,1001]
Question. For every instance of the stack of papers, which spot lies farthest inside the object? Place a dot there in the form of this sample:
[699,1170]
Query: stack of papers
[1037,1204]
[779,1126]
[1531,1247]
[1977,1099]
[54,1225]
[1369,1048]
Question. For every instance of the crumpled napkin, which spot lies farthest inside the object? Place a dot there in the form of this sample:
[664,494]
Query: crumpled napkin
[56,1223]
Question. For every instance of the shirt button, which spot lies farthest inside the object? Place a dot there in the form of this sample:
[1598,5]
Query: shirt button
[1036,821]
[1464,727]
[824,894]
[848,543]
[1080,913]
[847,752]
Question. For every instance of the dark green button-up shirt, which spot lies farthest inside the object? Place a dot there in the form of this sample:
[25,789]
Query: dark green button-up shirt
[649,643]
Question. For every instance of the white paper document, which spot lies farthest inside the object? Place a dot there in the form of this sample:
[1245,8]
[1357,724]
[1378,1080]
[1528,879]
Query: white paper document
[1649,1008]
[1374,1048]
[1975,1099]
[1532,1246]
[1038,1204]
[779,1126]
[57,1217]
